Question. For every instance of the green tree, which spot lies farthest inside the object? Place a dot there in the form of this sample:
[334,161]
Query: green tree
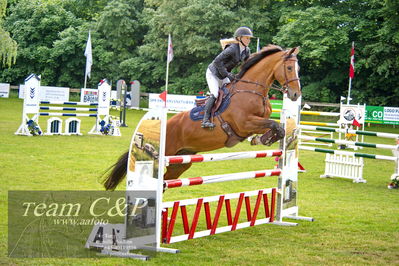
[35,25]
[8,47]
[120,27]
[196,28]
[377,64]
[67,55]
[323,37]
[325,29]
[129,39]
[88,10]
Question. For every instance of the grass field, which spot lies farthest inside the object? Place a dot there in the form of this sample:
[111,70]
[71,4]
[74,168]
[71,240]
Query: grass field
[356,224]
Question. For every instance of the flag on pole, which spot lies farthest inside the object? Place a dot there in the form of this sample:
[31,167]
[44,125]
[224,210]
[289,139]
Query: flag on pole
[301,168]
[351,72]
[89,57]
[170,49]
[169,58]
[352,62]
[356,123]
[163,96]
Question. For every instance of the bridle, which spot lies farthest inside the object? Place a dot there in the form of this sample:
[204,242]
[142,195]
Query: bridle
[265,98]
[287,81]
[285,86]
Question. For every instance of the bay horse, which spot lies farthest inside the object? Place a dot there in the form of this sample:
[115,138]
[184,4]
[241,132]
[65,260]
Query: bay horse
[248,113]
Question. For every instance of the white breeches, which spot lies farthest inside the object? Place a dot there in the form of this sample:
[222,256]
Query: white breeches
[214,83]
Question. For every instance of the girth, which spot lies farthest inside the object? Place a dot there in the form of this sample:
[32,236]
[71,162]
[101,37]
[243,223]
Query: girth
[232,137]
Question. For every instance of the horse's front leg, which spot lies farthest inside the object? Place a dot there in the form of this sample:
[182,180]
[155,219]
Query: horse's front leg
[274,132]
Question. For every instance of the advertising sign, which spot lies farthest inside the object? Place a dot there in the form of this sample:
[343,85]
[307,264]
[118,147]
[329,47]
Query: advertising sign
[173,102]
[48,93]
[91,95]
[4,90]
[382,115]
[88,95]
[350,112]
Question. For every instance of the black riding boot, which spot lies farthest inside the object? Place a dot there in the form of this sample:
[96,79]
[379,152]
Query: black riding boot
[206,123]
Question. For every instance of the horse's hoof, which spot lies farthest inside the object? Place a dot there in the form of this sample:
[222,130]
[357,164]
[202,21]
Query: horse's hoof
[280,133]
[269,143]
[271,140]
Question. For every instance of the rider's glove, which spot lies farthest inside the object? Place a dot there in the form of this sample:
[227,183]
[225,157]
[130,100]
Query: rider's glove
[231,76]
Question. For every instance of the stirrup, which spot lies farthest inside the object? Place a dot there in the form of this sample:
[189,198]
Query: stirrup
[207,124]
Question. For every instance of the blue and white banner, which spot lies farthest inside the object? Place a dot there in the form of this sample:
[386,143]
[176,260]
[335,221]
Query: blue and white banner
[48,93]
[173,102]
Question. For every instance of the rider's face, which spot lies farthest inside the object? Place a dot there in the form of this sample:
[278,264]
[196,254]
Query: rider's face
[246,40]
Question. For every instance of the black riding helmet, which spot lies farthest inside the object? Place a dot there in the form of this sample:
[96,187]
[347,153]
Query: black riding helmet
[243,31]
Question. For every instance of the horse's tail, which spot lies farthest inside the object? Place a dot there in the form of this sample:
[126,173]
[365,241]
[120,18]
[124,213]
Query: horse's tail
[118,172]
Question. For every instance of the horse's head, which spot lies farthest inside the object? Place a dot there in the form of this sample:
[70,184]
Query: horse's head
[286,73]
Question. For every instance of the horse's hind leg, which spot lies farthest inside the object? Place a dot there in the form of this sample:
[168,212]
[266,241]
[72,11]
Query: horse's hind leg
[175,171]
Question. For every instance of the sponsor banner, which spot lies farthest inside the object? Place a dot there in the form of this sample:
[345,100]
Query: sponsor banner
[48,93]
[88,95]
[4,90]
[350,112]
[382,115]
[173,102]
[91,95]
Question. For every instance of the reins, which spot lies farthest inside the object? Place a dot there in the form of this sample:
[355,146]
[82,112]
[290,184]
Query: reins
[273,86]
[282,89]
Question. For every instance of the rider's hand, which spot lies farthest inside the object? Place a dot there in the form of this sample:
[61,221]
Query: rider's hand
[231,76]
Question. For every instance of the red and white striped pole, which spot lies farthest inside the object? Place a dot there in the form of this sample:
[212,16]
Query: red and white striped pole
[219,178]
[221,156]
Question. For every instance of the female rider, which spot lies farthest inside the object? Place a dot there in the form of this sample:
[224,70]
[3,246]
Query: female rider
[219,71]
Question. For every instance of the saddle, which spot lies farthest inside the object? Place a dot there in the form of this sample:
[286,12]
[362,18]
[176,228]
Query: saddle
[221,104]
[218,102]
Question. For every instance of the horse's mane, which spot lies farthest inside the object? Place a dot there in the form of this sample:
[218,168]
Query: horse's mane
[255,58]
